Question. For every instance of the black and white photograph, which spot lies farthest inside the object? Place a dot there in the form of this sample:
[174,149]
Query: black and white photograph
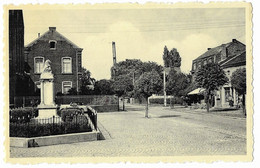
[153,82]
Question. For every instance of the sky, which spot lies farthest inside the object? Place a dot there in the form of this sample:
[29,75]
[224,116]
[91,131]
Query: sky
[138,33]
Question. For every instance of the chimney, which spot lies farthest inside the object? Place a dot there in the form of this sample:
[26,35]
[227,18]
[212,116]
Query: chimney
[52,28]
[114,52]
[209,48]
[39,34]
[234,40]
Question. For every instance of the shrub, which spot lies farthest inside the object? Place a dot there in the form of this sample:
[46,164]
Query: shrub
[69,113]
[22,114]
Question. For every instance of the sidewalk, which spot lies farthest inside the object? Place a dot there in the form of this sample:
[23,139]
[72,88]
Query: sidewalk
[229,112]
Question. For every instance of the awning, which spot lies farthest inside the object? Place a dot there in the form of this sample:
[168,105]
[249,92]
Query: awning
[197,91]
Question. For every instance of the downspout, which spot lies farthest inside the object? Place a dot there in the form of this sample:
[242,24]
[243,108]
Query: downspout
[77,71]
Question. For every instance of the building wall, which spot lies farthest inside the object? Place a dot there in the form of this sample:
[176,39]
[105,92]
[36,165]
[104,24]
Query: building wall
[16,47]
[63,49]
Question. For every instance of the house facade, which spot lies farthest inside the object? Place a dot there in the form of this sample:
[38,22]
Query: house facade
[230,56]
[65,57]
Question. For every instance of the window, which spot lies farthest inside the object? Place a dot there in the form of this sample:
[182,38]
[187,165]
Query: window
[228,72]
[194,66]
[52,44]
[66,65]
[38,64]
[199,65]
[205,62]
[66,86]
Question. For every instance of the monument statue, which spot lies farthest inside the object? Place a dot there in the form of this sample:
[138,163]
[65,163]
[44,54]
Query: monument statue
[47,67]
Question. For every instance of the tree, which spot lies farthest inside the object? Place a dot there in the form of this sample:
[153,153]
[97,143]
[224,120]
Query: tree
[103,87]
[149,83]
[210,77]
[134,68]
[72,91]
[238,81]
[86,80]
[176,83]
[166,57]
[121,85]
[172,58]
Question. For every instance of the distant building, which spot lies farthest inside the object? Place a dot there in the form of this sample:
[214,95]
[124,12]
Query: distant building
[65,57]
[229,56]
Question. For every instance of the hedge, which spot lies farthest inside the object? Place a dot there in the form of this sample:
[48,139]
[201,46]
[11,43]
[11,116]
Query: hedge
[34,129]
[175,100]
[22,115]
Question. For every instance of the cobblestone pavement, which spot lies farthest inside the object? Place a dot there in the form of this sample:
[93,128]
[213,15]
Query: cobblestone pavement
[168,132]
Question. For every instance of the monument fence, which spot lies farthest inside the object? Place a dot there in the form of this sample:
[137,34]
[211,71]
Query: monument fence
[50,126]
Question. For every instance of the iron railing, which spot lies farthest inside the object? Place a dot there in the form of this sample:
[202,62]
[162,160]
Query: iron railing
[50,126]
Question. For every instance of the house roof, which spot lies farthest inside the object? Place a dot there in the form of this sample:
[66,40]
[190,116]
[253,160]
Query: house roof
[214,51]
[52,34]
[237,60]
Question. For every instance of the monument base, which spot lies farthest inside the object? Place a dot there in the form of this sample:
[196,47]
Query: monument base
[47,112]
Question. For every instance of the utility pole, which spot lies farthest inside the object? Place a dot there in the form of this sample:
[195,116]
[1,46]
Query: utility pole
[166,71]
[164,87]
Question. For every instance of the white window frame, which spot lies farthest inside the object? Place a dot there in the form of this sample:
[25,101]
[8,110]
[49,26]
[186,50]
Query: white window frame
[55,44]
[194,66]
[35,64]
[62,86]
[62,68]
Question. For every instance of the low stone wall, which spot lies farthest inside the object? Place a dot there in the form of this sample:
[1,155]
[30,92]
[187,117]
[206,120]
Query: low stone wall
[53,140]
[105,108]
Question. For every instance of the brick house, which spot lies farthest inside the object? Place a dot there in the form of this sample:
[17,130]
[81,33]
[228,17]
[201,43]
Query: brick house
[229,56]
[65,57]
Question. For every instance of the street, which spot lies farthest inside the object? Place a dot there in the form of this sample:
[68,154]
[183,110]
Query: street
[167,132]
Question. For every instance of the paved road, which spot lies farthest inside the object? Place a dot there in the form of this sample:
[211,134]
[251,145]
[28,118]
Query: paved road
[168,132]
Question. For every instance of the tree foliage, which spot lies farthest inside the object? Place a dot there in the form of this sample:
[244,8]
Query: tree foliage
[86,81]
[210,77]
[103,87]
[171,58]
[149,83]
[238,80]
[134,68]
[176,83]
[122,84]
